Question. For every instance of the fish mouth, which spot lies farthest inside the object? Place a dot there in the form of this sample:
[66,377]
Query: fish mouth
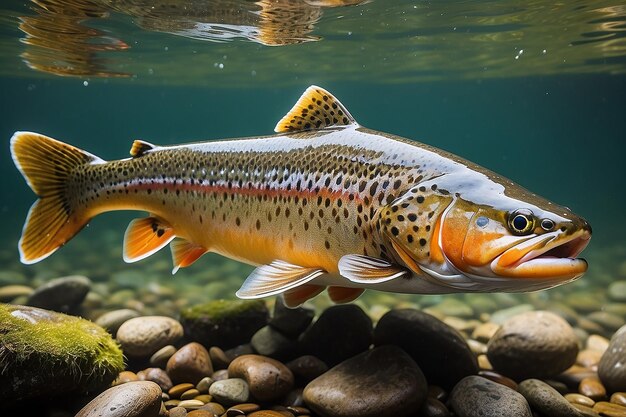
[548,256]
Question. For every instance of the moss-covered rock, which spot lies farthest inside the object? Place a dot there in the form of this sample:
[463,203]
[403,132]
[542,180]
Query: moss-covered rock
[43,354]
[224,323]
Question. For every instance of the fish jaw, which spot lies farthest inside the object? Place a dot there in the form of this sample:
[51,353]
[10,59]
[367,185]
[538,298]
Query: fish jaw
[551,256]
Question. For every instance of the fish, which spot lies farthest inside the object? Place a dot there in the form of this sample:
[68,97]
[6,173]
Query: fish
[325,203]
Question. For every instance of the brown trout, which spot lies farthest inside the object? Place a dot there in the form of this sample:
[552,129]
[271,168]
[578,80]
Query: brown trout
[324,203]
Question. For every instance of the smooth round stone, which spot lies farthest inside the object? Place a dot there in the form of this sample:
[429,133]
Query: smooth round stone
[161,356]
[588,358]
[597,342]
[617,291]
[592,388]
[61,294]
[609,321]
[200,413]
[306,368]
[215,408]
[268,341]
[143,336]
[205,398]
[133,399]
[439,350]
[190,394]
[124,377]
[619,398]
[499,378]
[290,321]
[500,316]
[576,398]
[609,409]
[169,404]
[381,382]
[267,378]
[268,413]
[204,384]
[230,391]
[535,344]
[178,412]
[190,363]
[485,331]
[340,332]
[432,407]
[476,396]
[158,376]
[177,390]
[545,399]
[585,411]
[112,320]
[219,359]
[244,408]
[612,366]
[190,404]
[220,375]
[10,292]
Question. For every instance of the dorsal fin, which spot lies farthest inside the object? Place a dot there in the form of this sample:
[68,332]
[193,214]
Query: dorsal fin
[316,109]
[140,147]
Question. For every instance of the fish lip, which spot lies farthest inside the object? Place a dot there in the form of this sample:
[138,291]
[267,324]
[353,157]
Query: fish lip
[551,255]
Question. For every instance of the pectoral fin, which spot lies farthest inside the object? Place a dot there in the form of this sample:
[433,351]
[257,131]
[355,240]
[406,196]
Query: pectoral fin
[297,296]
[367,270]
[275,278]
[342,295]
[185,253]
[146,236]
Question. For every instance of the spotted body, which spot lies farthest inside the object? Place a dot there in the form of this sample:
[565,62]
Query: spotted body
[325,202]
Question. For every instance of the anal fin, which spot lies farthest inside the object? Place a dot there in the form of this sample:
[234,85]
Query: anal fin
[342,295]
[367,270]
[185,253]
[275,278]
[297,296]
[146,236]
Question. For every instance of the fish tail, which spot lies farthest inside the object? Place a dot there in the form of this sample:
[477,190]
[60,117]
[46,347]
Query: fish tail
[48,167]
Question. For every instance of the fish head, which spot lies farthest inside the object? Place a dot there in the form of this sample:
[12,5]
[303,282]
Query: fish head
[491,239]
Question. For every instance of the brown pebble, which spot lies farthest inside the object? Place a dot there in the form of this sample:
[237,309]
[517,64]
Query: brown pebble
[204,385]
[189,394]
[597,342]
[178,412]
[609,409]
[580,399]
[177,390]
[433,408]
[588,358]
[200,413]
[220,375]
[592,388]
[268,378]
[219,358]
[266,413]
[298,410]
[169,404]
[190,363]
[160,357]
[191,404]
[244,408]
[156,375]
[585,411]
[499,378]
[124,377]
[483,362]
[205,398]
[619,398]
[215,408]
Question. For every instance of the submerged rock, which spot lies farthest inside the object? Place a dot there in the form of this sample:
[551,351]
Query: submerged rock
[381,382]
[475,396]
[61,294]
[224,323]
[133,399]
[143,336]
[43,353]
[545,399]
[612,367]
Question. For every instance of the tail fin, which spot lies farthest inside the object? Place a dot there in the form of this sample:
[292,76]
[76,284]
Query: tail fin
[47,164]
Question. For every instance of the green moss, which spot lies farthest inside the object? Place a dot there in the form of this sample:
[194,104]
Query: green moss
[42,352]
[219,310]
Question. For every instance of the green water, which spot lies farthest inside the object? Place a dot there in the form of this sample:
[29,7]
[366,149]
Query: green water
[536,93]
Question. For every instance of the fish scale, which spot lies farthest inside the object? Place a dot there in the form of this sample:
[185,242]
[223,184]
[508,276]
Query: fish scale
[325,202]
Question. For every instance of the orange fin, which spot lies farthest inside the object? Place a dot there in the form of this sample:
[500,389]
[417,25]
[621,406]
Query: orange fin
[367,270]
[315,109]
[296,297]
[146,236]
[277,277]
[47,165]
[342,295]
[185,253]
[140,147]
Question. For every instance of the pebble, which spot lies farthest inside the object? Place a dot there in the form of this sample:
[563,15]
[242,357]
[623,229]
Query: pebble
[432,407]
[617,291]
[10,292]
[124,377]
[230,391]
[476,396]
[143,336]
[381,382]
[500,316]
[268,413]
[200,413]
[609,409]
[290,321]
[340,332]
[61,294]
[545,399]
[485,331]
[499,378]
[597,343]
[190,394]
[619,398]
[177,390]
[609,321]
[219,359]
[244,408]
[215,408]
[612,366]
[220,375]
[592,388]
[576,398]
[161,356]
[178,412]
[133,399]
[112,320]
[190,404]
[535,344]
[158,376]
[585,411]
[268,341]
[190,363]
[204,384]
[306,368]
[268,379]
[439,350]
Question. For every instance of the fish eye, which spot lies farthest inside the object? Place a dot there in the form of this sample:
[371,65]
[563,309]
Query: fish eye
[547,224]
[521,222]
[482,221]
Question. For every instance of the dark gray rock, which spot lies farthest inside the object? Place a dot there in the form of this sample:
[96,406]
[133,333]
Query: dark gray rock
[439,350]
[612,367]
[306,368]
[132,399]
[535,344]
[475,396]
[381,382]
[290,321]
[339,333]
[61,294]
[268,341]
[224,323]
[545,399]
